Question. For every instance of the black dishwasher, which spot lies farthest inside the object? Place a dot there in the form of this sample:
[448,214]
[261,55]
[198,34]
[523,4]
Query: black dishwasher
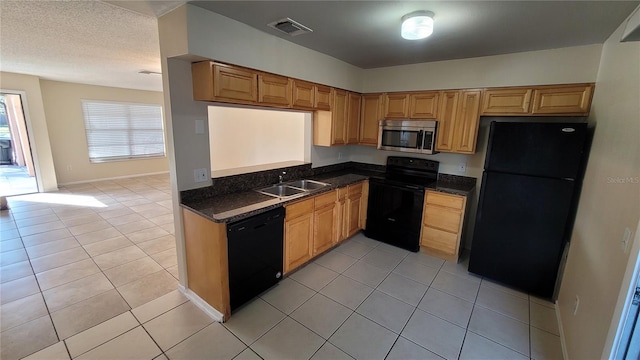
[255,255]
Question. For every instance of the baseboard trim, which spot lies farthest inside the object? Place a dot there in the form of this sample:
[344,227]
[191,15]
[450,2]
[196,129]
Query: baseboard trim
[112,178]
[563,344]
[201,304]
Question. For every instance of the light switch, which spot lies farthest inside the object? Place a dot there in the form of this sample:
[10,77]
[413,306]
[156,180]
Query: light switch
[199,126]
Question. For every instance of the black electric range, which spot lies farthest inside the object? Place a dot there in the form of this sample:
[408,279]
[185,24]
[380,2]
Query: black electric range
[394,213]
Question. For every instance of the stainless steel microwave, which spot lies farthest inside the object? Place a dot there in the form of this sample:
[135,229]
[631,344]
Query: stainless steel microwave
[417,136]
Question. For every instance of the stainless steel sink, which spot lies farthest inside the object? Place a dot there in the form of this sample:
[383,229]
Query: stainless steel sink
[293,188]
[281,191]
[307,184]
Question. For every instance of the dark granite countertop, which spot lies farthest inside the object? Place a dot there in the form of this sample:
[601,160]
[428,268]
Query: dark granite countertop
[236,206]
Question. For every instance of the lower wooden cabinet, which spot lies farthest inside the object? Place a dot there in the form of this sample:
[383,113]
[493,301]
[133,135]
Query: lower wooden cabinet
[325,221]
[312,226]
[442,221]
[298,234]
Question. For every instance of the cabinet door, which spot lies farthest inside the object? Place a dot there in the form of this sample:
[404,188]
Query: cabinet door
[353,214]
[424,105]
[274,90]
[341,209]
[353,118]
[322,100]
[364,204]
[233,83]
[448,113]
[571,99]
[298,240]
[515,101]
[465,132]
[396,106]
[370,116]
[324,228]
[303,94]
[339,118]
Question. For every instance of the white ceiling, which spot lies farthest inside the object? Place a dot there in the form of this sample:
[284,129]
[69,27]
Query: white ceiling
[108,42]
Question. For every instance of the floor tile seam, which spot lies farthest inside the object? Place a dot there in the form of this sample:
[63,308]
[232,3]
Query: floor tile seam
[129,282]
[93,258]
[543,330]
[413,342]
[377,323]
[162,313]
[59,266]
[449,321]
[22,323]
[459,276]
[125,300]
[393,296]
[427,285]
[124,333]
[329,341]
[194,334]
[42,272]
[492,287]
[77,302]
[498,312]
[326,267]
[308,328]
[104,342]
[40,223]
[552,306]
[390,252]
[292,311]
[503,345]
[54,329]
[268,330]
[41,232]
[53,253]
[475,298]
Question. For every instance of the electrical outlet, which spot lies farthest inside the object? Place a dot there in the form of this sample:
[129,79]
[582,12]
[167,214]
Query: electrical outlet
[200,175]
[625,240]
[575,305]
[462,167]
[69,168]
[339,155]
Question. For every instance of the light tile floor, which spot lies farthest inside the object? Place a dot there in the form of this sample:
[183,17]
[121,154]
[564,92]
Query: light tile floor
[90,272]
[15,180]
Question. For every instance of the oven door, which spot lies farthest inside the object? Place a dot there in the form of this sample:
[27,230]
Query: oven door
[394,214]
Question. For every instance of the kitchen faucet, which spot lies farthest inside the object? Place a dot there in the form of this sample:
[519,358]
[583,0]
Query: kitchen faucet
[280,176]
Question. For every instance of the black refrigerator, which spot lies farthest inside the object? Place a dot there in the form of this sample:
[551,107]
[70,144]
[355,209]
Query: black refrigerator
[529,192]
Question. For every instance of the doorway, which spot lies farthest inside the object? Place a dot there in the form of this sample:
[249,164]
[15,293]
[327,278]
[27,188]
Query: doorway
[17,171]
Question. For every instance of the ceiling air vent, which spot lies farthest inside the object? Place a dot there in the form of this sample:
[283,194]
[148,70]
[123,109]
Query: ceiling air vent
[289,26]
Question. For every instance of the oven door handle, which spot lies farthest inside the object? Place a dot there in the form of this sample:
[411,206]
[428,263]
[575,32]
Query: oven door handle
[401,187]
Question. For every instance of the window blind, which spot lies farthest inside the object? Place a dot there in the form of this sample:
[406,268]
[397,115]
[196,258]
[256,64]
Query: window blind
[118,131]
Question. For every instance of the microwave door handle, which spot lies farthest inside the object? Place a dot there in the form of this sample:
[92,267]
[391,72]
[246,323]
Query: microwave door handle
[419,139]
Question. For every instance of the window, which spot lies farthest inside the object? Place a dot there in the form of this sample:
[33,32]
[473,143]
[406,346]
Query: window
[119,131]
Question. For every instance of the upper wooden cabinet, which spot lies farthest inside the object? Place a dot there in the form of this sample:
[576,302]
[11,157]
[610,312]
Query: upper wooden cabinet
[572,99]
[323,96]
[220,82]
[339,114]
[511,101]
[448,112]
[274,90]
[568,99]
[370,116]
[458,121]
[396,106]
[304,94]
[353,118]
[423,105]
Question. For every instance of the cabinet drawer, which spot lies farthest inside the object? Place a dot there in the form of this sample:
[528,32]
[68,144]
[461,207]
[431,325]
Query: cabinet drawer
[326,199]
[446,200]
[299,208]
[439,240]
[442,218]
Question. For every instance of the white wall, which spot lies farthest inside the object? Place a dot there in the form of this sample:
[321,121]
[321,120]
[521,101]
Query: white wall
[217,37]
[65,121]
[241,137]
[566,65]
[36,119]
[596,264]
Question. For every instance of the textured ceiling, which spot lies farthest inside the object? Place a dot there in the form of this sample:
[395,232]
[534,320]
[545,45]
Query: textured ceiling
[367,33]
[108,42]
[89,42]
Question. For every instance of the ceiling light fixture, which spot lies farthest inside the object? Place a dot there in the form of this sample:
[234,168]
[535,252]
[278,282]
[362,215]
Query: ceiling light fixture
[417,25]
